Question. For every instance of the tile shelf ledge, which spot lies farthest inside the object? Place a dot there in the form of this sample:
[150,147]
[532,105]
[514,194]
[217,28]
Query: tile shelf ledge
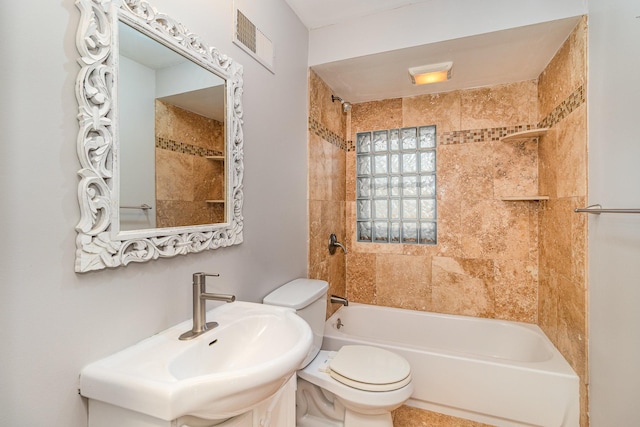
[215,157]
[526,135]
[214,201]
[523,198]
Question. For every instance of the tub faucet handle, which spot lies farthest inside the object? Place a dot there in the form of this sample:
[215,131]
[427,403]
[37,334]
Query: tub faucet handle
[333,243]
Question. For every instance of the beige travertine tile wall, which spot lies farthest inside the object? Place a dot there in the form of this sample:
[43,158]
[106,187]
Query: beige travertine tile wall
[185,178]
[486,260]
[326,192]
[562,299]
[523,261]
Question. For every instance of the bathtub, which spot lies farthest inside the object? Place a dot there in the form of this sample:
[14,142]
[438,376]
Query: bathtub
[492,371]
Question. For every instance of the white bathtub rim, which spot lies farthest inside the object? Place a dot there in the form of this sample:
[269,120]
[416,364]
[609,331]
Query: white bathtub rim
[555,364]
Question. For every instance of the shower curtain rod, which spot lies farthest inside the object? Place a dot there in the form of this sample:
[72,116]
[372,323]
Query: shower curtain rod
[598,209]
[143,206]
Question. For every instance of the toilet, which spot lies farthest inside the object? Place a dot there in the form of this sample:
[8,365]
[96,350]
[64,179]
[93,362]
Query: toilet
[357,386]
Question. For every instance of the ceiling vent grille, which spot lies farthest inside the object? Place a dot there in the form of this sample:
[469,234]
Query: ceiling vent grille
[253,41]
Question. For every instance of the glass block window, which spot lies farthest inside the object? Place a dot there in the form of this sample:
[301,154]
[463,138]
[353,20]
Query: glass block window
[396,186]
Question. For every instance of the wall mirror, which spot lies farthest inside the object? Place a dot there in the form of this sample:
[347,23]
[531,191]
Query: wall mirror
[160,141]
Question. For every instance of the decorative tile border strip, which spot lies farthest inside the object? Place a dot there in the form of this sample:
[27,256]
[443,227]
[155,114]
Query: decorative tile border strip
[181,147]
[480,135]
[565,108]
[351,146]
[320,130]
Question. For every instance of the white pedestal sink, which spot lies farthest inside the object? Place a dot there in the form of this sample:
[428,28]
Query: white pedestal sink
[222,373]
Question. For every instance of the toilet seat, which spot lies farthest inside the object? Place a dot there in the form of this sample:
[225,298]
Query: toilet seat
[354,399]
[369,368]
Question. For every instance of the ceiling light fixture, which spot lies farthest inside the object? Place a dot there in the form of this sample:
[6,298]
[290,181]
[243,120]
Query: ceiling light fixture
[432,73]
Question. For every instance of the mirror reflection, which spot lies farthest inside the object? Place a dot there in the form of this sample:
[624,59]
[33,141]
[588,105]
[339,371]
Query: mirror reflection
[172,137]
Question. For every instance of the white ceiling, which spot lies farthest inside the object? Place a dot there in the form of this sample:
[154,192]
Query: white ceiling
[205,101]
[506,56]
[320,13]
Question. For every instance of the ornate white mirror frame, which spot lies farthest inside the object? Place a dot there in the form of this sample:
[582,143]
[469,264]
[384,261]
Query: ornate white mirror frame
[100,242]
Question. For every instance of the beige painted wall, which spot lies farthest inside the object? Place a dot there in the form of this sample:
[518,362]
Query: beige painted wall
[57,321]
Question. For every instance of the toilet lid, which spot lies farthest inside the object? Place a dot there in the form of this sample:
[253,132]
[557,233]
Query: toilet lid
[370,368]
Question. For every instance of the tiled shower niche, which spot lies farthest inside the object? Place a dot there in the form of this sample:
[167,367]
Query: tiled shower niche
[396,186]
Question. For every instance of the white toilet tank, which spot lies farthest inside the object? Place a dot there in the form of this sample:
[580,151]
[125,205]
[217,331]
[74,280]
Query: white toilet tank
[309,298]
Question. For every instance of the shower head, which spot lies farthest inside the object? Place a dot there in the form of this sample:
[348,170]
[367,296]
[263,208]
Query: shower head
[346,106]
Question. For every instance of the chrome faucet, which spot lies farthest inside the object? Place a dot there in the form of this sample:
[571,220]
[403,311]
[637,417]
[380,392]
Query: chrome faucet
[335,299]
[200,325]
